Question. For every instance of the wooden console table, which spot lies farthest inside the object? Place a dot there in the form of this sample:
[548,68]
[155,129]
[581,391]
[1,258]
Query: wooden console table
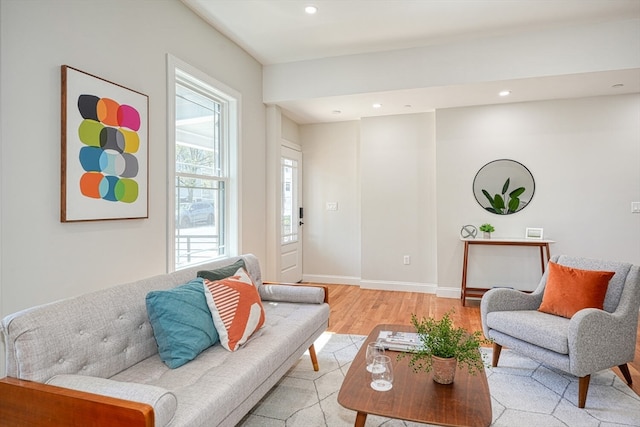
[478,292]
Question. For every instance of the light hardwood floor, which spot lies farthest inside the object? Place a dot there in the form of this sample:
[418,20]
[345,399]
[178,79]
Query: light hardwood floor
[357,311]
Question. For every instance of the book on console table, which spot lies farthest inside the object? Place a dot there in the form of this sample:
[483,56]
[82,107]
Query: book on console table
[399,341]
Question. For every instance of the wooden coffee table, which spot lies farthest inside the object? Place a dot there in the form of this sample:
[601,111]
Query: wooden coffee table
[415,396]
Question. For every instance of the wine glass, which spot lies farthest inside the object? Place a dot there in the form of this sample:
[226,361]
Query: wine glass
[382,373]
[373,349]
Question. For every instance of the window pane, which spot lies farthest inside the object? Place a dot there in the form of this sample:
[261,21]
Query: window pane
[198,222]
[200,175]
[198,133]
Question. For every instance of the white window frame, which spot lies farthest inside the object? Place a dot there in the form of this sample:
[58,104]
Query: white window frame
[232,225]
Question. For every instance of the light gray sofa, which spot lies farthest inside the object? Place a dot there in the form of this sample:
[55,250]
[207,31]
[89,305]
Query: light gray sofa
[103,343]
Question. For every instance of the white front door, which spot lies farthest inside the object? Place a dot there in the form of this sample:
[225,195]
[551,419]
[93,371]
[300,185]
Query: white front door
[291,218]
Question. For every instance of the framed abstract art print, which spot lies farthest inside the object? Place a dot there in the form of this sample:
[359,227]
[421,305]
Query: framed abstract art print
[105,149]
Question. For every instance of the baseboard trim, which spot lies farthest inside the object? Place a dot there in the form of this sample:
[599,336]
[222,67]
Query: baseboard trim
[332,280]
[448,292]
[381,285]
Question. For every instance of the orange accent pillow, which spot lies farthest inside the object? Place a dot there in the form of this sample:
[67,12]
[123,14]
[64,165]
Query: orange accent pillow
[569,290]
[235,307]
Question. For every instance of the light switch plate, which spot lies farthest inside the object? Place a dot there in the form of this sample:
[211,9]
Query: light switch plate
[635,207]
[332,206]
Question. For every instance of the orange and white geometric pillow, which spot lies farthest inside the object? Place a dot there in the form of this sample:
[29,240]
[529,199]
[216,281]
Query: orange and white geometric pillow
[235,307]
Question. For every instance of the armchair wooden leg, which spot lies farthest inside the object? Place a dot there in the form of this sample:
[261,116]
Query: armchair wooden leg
[497,348]
[314,358]
[625,373]
[583,388]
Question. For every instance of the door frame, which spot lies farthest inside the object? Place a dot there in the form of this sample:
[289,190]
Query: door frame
[272,268]
[290,146]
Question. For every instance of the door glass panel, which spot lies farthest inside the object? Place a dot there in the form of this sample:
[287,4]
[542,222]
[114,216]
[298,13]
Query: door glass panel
[289,220]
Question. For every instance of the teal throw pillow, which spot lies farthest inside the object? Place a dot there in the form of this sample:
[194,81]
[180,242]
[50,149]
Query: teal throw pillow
[222,272]
[181,322]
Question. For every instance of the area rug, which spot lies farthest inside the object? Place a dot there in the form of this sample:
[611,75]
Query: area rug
[524,393]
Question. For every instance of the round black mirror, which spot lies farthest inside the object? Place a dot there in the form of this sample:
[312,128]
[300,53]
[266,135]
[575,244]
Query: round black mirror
[504,187]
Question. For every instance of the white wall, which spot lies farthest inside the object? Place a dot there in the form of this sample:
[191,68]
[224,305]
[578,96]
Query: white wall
[584,155]
[126,42]
[397,162]
[381,172]
[331,174]
[290,130]
[416,191]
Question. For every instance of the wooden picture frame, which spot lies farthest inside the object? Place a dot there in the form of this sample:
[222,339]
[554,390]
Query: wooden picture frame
[105,149]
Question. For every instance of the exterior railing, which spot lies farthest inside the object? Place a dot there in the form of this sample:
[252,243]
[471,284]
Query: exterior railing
[190,248]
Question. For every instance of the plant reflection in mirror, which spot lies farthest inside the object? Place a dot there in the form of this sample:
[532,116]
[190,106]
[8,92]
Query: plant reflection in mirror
[499,203]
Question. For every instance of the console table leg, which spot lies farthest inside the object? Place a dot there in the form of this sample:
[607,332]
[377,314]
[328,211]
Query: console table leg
[361,418]
[463,289]
[542,258]
[548,252]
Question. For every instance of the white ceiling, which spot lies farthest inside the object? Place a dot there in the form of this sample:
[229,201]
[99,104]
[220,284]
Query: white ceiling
[278,31]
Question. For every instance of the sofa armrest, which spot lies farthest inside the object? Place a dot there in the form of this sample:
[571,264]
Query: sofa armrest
[27,403]
[599,340]
[163,402]
[287,292]
[504,299]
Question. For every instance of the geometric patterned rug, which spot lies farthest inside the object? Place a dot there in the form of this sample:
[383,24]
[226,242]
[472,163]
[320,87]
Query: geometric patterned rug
[524,393]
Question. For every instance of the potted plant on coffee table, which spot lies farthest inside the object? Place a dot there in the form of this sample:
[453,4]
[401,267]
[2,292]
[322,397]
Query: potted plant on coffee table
[444,347]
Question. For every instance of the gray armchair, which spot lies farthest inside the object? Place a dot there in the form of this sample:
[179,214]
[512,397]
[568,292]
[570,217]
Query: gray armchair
[592,340]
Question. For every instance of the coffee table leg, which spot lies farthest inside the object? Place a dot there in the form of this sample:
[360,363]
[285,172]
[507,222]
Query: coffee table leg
[361,418]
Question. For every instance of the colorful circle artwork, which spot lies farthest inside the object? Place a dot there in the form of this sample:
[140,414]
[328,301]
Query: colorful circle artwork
[109,132]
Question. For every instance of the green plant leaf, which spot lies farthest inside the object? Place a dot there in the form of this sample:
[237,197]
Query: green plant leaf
[505,187]
[513,204]
[517,192]
[488,227]
[498,203]
[488,196]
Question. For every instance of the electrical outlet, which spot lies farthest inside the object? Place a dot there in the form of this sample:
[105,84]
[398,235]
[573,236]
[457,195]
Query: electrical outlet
[332,206]
[407,260]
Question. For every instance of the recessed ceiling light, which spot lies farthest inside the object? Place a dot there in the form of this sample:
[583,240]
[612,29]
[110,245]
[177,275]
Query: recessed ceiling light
[504,93]
[336,112]
[376,105]
[408,106]
[310,10]
[617,85]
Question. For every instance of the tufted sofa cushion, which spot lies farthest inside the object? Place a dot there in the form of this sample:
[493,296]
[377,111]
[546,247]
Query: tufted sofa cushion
[64,337]
[210,387]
